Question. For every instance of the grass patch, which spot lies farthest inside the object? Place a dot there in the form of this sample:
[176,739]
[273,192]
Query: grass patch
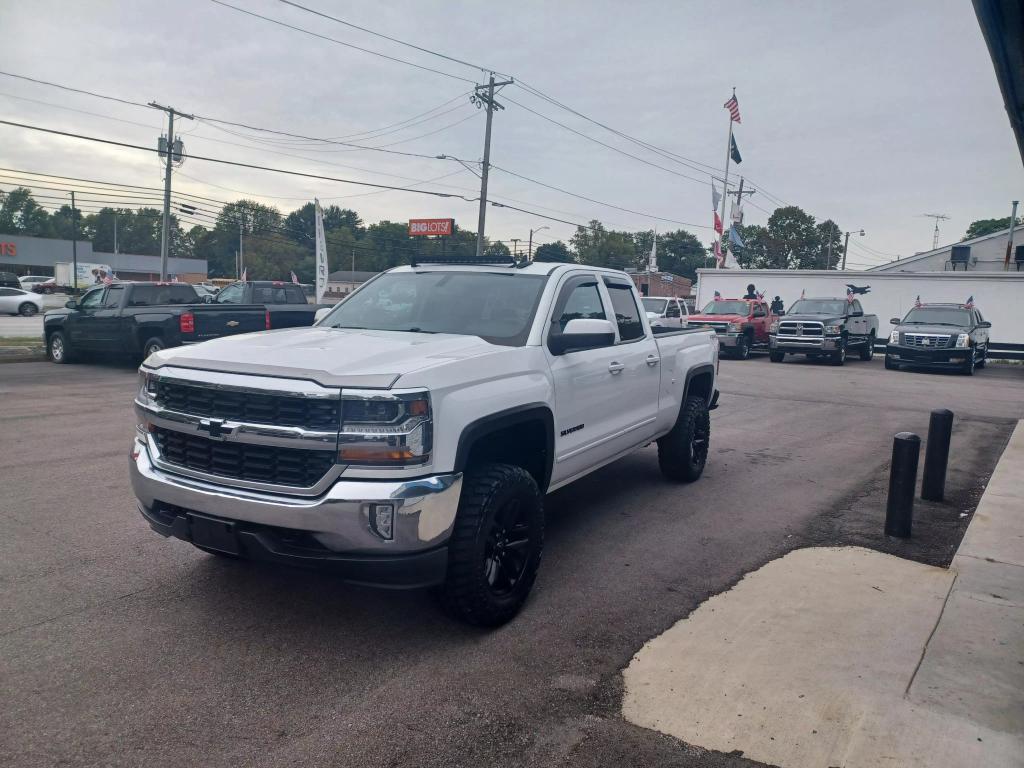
[21,341]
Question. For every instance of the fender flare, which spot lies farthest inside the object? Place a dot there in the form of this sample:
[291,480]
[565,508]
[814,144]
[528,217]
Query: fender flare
[510,417]
[698,370]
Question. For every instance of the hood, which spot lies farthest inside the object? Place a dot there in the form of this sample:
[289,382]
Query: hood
[332,357]
[813,318]
[950,330]
[716,318]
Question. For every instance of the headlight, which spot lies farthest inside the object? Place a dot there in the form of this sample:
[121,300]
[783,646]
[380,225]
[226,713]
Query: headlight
[833,330]
[385,429]
[963,340]
[894,337]
[774,328]
[736,326]
[147,387]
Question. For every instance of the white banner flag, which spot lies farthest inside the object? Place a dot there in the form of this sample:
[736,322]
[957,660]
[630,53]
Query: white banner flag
[652,261]
[321,254]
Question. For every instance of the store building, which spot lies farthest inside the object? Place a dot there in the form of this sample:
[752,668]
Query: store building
[38,255]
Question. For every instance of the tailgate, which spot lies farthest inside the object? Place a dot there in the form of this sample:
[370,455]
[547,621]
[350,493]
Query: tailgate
[212,321]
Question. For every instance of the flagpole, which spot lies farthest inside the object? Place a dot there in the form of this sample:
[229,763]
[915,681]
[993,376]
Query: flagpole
[723,244]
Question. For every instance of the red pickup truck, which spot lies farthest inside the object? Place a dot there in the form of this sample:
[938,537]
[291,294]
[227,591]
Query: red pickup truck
[740,324]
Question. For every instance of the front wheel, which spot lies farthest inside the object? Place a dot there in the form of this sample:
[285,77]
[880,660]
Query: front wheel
[839,356]
[983,360]
[890,365]
[868,350]
[776,355]
[58,348]
[495,547]
[969,365]
[28,309]
[683,452]
[742,349]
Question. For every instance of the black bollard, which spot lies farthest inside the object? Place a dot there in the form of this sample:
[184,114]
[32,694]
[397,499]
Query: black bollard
[936,455]
[899,510]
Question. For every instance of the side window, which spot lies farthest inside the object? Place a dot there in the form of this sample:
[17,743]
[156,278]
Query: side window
[8,292]
[91,300]
[857,307]
[583,303]
[113,298]
[759,310]
[673,309]
[624,305]
[231,294]
[294,295]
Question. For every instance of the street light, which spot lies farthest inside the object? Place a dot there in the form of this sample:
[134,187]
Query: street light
[846,245]
[529,250]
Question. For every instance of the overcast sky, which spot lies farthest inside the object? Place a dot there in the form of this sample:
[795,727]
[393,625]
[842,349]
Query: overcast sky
[870,113]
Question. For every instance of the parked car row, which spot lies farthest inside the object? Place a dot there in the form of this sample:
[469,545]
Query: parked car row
[946,336]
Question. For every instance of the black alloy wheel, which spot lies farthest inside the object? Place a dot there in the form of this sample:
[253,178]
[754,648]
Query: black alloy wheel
[742,349]
[683,452]
[839,356]
[868,350]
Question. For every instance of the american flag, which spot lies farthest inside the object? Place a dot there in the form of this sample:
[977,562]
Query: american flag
[734,109]
[295,277]
[970,302]
[917,301]
[849,295]
[717,295]
[803,294]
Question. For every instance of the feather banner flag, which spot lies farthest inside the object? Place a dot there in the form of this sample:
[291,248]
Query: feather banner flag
[734,237]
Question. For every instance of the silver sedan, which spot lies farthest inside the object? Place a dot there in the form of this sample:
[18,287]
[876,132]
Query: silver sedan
[14,301]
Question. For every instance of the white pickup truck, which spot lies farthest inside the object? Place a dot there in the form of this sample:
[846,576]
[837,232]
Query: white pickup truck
[408,439]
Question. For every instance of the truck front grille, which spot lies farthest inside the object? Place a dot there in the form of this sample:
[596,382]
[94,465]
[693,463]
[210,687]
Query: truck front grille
[250,407]
[927,340]
[243,461]
[716,327]
[796,328]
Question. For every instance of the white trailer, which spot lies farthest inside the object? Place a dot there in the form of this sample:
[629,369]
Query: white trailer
[998,295]
[88,274]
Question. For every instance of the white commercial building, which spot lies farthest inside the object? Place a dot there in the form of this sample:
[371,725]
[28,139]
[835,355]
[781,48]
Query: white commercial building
[982,254]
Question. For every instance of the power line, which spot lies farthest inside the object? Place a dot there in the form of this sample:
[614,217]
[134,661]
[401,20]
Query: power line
[342,42]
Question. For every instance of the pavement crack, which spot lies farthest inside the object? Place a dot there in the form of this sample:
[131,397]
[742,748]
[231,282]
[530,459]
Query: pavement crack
[924,650]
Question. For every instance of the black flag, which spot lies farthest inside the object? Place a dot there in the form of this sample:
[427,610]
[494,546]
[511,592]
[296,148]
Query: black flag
[734,151]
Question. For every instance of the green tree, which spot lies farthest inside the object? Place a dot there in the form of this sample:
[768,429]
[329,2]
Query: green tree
[828,232]
[556,252]
[791,240]
[303,220]
[599,247]
[20,214]
[983,227]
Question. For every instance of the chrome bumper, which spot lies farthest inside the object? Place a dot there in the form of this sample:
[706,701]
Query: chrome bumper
[806,342]
[339,519]
[727,339]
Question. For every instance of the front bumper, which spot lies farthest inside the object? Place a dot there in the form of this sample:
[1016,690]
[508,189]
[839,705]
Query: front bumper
[332,530]
[727,339]
[943,357]
[805,345]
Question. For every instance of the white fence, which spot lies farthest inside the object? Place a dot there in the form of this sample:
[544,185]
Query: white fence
[998,295]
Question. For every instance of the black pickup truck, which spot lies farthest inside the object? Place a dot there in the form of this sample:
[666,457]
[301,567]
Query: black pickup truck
[824,327]
[286,302]
[142,318]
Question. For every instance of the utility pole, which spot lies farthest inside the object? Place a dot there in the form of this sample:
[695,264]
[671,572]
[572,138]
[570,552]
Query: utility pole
[115,233]
[846,246]
[529,248]
[241,250]
[938,217]
[485,95]
[1009,240]
[74,247]
[353,263]
[831,234]
[165,235]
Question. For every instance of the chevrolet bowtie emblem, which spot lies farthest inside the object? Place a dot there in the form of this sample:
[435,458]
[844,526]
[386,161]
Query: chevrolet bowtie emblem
[215,428]
[232,323]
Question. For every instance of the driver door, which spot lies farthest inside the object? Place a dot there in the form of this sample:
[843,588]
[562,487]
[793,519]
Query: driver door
[81,321]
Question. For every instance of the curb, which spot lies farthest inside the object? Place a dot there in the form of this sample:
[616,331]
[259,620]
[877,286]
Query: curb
[22,354]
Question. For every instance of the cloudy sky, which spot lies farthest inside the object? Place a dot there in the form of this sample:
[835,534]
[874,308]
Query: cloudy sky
[870,113]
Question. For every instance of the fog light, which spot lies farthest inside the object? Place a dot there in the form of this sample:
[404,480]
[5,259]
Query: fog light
[382,520]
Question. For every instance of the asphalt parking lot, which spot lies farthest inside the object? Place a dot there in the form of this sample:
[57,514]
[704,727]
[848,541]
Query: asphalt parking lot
[118,647]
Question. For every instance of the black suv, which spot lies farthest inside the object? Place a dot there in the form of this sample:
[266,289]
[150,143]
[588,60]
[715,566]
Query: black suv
[9,280]
[950,336]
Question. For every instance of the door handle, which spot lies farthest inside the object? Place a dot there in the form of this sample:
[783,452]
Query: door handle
[614,368]
[653,360]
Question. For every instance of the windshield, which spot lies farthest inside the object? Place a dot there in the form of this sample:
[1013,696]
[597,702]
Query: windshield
[657,306]
[937,316]
[497,307]
[727,308]
[818,307]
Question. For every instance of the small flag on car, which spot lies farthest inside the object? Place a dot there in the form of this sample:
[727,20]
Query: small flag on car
[245,273]
[295,278]
[849,295]
[718,296]
[803,293]
[970,302]
[917,301]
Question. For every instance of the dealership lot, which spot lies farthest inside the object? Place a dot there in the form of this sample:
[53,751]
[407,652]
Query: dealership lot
[119,647]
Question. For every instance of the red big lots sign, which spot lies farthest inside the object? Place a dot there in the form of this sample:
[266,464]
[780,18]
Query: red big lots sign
[436,227]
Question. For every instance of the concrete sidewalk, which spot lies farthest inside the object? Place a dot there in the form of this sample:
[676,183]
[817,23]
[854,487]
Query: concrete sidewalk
[850,657]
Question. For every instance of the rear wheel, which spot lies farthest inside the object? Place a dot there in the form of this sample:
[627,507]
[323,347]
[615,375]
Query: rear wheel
[868,350]
[683,452]
[776,355]
[496,545]
[58,348]
[839,356]
[152,346]
[28,309]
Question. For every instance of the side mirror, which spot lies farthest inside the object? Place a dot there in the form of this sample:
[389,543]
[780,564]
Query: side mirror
[321,313]
[71,304]
[582,334]
[652,316]
[894,321]
[208,299]
[984,324]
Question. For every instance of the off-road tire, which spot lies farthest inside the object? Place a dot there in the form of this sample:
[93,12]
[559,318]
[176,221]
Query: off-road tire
[742,349]
[868,350]
[839,356]
[477,590]
[683,452]
[153,344]
[58,349]
[776,355]
[28,309]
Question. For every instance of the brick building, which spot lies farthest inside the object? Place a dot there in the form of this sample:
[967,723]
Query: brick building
[662,284]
